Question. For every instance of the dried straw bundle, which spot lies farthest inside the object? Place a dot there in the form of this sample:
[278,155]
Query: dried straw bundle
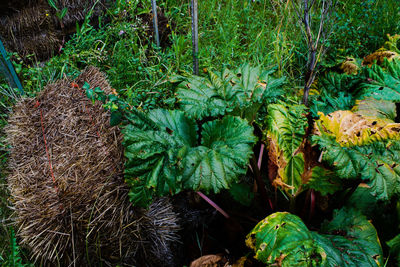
[27,20]
[74,207]
[7,6]
[34,28]
[31,31]
[42,44]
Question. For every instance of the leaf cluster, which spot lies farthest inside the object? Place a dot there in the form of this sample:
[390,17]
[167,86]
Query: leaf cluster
[349,239]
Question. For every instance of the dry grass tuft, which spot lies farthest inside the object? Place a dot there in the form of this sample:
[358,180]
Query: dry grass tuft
[84,216]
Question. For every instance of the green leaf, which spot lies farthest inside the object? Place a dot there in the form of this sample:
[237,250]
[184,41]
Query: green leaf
[334,93]
[200,98]
[323,181]
[383,82]
[86,86]
[376,163]
[363,201]
[164,156]
[154,151]
[115,118]
[239,92]
[90,94]
[242,193]
[348,240]
[52,4]
[370,107]
[63,12]
[286,127]
[223,155]
[283,239]
[361,147]
[394,245]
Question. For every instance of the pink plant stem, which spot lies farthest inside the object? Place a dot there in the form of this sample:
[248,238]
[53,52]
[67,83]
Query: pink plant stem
[260,156]
[312,205]
[212,203]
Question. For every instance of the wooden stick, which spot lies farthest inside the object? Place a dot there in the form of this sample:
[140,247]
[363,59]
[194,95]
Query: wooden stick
[155,22]
[195,37]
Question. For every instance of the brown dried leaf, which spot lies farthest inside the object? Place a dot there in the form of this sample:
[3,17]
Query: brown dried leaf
[209,261]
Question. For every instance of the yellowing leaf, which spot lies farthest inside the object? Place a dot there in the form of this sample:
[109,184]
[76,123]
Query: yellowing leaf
[286,128]
[379,57]
[351,129]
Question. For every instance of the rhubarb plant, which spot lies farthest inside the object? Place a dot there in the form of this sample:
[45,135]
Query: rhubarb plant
[349,239]
[291,155]
[361,147]
[241,92]
[168,152]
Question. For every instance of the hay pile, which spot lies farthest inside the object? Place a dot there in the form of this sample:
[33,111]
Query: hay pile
[34,28]
[80,212]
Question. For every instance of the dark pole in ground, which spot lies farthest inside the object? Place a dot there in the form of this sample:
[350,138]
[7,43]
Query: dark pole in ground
[9,69]
[195,38]
[155,21]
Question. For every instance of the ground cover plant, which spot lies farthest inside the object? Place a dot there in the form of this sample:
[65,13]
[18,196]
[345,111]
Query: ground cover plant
[290,182]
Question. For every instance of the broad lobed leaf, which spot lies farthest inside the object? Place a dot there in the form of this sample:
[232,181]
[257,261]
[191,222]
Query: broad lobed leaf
[383,83]
[352,129]
[348,240]
[283,239]
[376,163]
[164,157]
[240,92]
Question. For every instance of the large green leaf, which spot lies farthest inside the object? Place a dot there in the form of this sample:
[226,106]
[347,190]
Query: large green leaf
[286,128]
[349,239]
[201,97]
[333,93]
[381,109]
[283,238]
[394,245]
[323,180]
[223,154]
[154,155]
[383,82]
[362,147]
[376,163]
[240,92]
[164,156]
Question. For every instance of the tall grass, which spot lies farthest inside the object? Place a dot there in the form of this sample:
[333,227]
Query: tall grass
[232,31]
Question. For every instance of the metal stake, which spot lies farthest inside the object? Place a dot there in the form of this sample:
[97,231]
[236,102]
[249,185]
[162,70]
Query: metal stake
[155,21]
[195,37]
[9,69]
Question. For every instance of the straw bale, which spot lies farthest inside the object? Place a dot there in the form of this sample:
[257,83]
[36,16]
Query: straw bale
[10,6]
[26,20]
[42,44]
[86,210]
[35,28]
